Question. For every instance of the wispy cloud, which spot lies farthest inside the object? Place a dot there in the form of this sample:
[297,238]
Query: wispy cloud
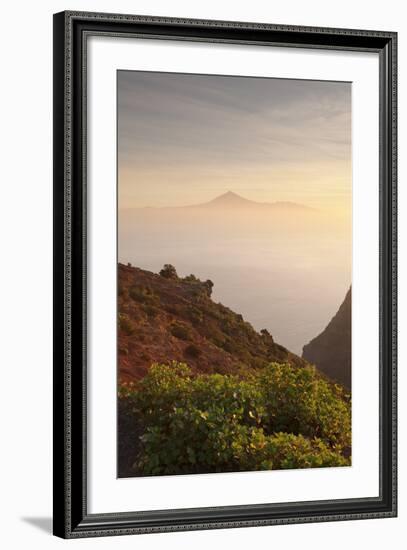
[184,137]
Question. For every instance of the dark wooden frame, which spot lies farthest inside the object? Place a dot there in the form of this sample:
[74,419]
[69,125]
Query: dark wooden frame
[71,518]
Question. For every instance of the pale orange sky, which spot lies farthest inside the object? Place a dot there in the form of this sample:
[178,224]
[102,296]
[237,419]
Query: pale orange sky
[185,139]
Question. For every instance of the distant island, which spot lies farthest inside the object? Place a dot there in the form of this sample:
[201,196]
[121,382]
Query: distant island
[230,200]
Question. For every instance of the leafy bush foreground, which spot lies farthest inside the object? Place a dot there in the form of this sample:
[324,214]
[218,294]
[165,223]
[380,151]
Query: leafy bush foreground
[278,417]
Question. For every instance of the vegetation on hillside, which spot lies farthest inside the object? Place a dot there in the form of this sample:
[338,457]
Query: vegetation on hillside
[201,391]
[163,317]
[279,416]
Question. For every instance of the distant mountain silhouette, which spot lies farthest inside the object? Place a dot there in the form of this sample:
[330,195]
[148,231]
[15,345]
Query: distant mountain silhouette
[266,258]
[331,351]
[231,200]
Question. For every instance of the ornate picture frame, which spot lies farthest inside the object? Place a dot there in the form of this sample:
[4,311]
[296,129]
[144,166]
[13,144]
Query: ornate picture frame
[72,517]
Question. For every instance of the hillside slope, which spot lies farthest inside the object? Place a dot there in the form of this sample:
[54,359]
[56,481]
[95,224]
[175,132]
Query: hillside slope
[331,350]
[164,318]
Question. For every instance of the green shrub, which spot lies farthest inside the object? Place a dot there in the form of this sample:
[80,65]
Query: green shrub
[280,417]
[151,311]
[208,285]
[173,309]
[195,315]
[144,295]
[125,324]
[228,345]
[306,404]
[192,351]
[283,451]
[169,272]
[191,279]
[180,331]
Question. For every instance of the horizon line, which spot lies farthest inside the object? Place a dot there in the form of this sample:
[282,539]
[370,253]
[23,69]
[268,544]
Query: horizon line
[228,193]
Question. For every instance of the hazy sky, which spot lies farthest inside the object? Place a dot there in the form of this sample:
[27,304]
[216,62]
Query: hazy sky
[184,139]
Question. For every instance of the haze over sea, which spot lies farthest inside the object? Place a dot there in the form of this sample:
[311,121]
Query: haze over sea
[283,266]
[214,141]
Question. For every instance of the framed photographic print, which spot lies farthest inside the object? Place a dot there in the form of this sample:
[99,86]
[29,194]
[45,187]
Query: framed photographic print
[224,274]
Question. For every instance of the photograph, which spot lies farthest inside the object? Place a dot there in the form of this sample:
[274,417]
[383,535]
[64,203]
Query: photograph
[234,275]
[225,273]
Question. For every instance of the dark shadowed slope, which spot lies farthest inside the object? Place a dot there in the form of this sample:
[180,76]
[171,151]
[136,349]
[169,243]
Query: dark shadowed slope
[164,318]
[331,350]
